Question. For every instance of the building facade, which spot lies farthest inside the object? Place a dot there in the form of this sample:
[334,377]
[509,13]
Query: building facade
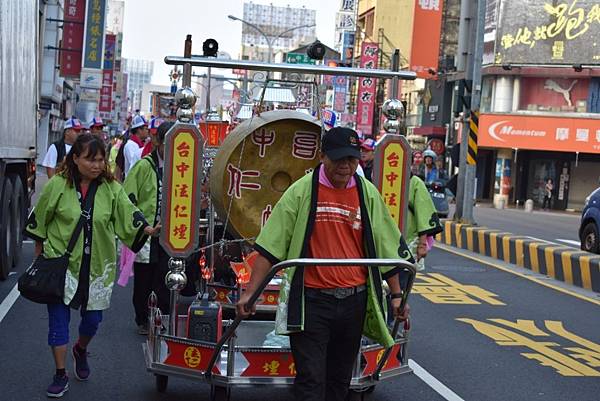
[277,25]
[540,111]
[139,73]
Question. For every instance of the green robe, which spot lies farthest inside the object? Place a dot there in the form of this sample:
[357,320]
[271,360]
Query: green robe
[286,235]
[141,186]
[53,221]
[422,216]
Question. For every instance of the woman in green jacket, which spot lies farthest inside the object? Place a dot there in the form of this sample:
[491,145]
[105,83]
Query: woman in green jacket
[92,264]
[422,222]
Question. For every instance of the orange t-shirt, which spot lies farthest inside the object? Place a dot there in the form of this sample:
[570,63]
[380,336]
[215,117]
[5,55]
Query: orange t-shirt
[337,233]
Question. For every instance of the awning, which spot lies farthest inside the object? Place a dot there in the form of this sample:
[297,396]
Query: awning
[430,131]
[276,95]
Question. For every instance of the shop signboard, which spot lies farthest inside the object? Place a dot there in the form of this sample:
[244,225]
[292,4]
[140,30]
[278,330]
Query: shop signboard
[369,56]
[94,34]
[72,39]
[549,133]
[182,177]
[540,32]
[425,48]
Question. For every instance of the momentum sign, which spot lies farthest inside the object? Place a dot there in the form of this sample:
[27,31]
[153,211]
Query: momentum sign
[545,32]
[539,133]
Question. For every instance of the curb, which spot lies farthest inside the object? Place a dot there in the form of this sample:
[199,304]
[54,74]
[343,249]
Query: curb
[559,262]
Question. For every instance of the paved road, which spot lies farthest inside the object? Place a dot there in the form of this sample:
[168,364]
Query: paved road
[503,338]
[560,228]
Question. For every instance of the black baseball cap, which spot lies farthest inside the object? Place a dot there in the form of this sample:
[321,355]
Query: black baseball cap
[340,142]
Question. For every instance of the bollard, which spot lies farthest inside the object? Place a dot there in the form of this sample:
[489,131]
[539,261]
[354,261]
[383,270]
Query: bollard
[529,205]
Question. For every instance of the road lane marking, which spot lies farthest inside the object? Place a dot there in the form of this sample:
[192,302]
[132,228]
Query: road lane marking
[516,273]
[28,241]
[432,382]
[570,242]
[8,302]
[440,289]
[540,346]
[541,240]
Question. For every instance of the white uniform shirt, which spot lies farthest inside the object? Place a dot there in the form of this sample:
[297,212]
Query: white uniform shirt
[132,153]
[51,155]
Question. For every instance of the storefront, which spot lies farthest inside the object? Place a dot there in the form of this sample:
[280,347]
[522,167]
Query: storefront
[533,149]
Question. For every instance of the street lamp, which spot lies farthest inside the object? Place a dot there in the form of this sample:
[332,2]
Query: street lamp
[271,39]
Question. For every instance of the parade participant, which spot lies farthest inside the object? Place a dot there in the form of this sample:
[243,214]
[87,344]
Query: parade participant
[152,129]
[367,155]
[325,310]
[97,128]
[422,222]
[91,271]
[58,150]
[131,149]
[143,185]
[428,171]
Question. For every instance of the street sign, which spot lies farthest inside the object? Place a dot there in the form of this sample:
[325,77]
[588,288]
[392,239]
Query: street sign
[182,179]
[391,175]
[298,58]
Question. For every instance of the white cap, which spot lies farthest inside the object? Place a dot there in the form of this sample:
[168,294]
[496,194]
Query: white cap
[138,121]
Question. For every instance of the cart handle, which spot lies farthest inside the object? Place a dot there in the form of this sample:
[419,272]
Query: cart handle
[407,266]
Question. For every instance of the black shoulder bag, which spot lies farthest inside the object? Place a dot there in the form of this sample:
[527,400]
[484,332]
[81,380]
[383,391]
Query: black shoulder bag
[44,281]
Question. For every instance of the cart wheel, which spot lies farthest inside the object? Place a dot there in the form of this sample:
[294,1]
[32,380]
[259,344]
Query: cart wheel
[161,383]
[219,393]
[370,390]
[354,395]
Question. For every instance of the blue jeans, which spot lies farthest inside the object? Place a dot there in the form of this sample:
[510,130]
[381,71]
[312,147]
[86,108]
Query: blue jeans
[59,317]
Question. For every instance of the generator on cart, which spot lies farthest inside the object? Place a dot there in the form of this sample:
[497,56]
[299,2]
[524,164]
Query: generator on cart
[242,180]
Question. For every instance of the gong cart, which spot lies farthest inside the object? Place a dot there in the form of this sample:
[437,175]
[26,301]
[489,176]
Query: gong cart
[241,358]
[254,165]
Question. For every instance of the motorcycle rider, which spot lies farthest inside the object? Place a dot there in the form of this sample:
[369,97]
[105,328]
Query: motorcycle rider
[428,171]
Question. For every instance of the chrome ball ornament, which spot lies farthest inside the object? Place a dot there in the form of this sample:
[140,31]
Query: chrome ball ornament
[392,126]
[185,98]
[175,280]
[393,109]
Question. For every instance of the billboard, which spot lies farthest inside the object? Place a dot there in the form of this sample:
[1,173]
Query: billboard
[72,39]
[543,32]
[539,133]
[424,54]
[94,34]
[369,55]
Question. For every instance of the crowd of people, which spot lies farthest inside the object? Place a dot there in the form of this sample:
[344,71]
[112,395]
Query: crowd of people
[334,212]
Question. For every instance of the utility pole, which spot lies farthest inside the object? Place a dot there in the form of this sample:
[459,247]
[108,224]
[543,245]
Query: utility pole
[469,61]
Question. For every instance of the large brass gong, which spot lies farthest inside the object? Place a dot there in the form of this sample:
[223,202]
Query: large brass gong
[257,162]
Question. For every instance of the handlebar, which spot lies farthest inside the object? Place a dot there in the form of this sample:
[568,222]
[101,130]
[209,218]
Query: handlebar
[401,263]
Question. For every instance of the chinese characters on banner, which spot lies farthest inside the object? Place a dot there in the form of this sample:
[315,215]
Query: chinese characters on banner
[94,34]
[72,39]
[391,175]
[369,56]
[106,92]
[214,132]
[179,234]
[426,47]
[392,179]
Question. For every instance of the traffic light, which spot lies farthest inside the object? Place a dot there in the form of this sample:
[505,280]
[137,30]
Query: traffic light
[316,50]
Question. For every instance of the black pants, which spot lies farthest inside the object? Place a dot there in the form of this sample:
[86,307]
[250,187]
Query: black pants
[547,202]
[325,352]
[148,277]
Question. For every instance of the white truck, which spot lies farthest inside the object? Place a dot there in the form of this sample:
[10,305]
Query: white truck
[19,55]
